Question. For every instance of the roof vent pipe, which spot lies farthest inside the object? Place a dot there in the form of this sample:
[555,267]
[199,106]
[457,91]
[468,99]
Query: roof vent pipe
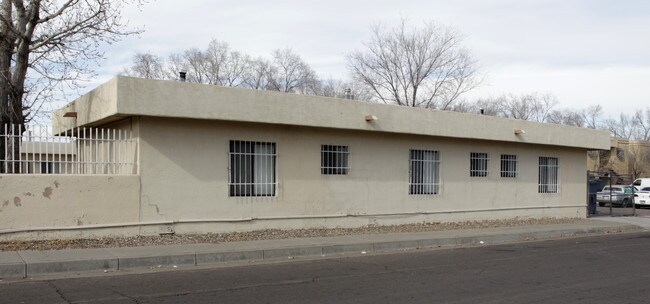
[182,76]
[348,94]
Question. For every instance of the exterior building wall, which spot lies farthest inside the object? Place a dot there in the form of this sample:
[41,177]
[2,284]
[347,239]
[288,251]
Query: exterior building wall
[93,106]
[54,204]
[627,158]
[184,172]
[183,132]
[129,97]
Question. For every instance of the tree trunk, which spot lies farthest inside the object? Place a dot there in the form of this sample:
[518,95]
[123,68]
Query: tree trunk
[12,116]
[10,136]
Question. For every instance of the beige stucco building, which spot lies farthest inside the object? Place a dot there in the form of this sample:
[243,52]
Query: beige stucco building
[212,159]
[630,159]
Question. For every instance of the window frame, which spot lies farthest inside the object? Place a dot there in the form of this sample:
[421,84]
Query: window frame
[334,159]
[479,164]
[548,175]
[509,165]
[424,172]
[249,163]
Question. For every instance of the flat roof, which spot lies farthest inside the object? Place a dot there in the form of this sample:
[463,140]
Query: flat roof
[127,96]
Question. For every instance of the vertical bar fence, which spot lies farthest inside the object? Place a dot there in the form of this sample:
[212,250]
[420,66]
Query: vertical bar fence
[36,150]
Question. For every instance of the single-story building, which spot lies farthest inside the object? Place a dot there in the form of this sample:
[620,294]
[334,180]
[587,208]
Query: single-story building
[214,159]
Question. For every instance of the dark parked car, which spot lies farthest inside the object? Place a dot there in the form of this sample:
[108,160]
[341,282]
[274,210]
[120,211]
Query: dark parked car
[621,196]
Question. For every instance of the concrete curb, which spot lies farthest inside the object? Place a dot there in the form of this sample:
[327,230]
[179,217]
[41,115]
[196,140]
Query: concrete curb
[23,264]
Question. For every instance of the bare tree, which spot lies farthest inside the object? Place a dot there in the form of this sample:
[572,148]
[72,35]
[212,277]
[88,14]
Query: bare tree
[218,65]
[544,104]
[236,68]
[340,89]
[486,106]
[641,124]
[566,117]
[255,75]
[425,67]
[215,57]
[289,73]
[621,127]
[638,159]
[557,117]
[463,106]
[175,63]
[517,107]
[197,65]
[331,88]
[46,44]
[533,106]
[146,65]
[224,66]
[592,116]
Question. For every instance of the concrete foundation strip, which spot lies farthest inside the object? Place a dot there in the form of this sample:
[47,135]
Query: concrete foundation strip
[261,218]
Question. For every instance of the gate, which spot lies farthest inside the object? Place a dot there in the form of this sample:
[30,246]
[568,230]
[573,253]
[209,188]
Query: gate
[610,194]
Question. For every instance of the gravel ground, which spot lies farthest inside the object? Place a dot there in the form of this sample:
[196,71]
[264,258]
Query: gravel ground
[269,234]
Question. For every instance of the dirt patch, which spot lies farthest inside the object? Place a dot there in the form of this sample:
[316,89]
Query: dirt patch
[270,234]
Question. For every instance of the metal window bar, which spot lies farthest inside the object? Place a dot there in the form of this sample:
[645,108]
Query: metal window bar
[334,160]
[508,165]
[548,175]
[114,156]
[478,164]
[424,172]
[102,145]
[44,165]
[84,155]
[40,154]
[119,156]
[252,168]
[77,151]
[20,156]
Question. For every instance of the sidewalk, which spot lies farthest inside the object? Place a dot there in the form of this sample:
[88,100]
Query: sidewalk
[25,264]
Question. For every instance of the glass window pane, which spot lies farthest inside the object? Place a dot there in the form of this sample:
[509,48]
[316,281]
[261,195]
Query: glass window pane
[252,168]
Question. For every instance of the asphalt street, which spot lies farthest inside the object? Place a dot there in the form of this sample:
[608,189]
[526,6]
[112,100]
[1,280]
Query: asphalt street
[600,269]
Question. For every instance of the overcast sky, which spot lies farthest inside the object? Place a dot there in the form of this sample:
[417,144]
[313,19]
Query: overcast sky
[584,52]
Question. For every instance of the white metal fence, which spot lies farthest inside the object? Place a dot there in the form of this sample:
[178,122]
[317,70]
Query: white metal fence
[77,151]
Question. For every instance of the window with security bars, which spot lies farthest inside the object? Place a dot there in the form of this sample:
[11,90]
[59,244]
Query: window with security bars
[252,168]
[508,165]
[334,160]
[548,175]
[478,164]
[424,172]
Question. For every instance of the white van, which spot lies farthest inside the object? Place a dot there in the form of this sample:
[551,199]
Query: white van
[641,183]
